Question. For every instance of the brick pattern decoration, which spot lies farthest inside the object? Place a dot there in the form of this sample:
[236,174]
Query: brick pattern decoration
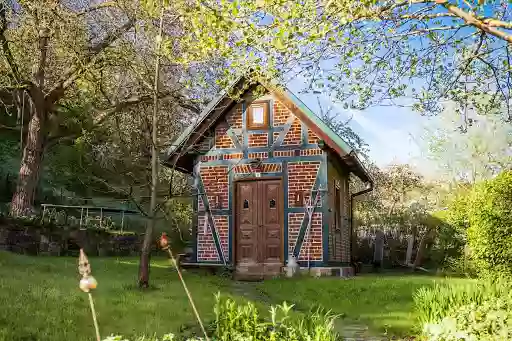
[215,181]
[206,250]
[294,134]
[234,118]
[206,158]
[314,242]
[301,178]
[258,155]
[309,152]
[284,153]
[242,169]
[258,140]
[222,139]
[267,168]
[312,137]
[272,167]
[235,156]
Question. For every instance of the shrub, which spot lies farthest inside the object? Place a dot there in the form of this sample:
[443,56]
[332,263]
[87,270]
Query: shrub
[490,225]
[490,320]
[476,311]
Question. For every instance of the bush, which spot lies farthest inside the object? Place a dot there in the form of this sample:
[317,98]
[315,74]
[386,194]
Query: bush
[490,225]
[234,322]
[476,311]
[490,320]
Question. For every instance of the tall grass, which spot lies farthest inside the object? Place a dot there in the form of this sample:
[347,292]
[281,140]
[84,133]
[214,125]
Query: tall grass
[435,303]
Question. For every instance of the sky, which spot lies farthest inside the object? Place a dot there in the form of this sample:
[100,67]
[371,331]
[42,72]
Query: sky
[392,133]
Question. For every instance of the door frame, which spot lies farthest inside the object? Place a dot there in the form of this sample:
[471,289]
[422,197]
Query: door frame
[234,212]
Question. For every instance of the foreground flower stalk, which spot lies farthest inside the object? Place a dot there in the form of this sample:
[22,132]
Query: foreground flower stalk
[88,283]
[164,244]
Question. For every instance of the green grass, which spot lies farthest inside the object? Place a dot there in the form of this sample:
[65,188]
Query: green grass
[382,302]
[40,298]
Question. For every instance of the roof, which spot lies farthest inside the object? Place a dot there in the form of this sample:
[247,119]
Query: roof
[177,156]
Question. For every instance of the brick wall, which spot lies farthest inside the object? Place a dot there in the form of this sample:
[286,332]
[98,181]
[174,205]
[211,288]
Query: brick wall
[215,181]
[301,178]
[234,118]
[312,138]
[222,139]
[206,250]
[258,140]
[294,134]
[313,242]
[222,225]
[281,113]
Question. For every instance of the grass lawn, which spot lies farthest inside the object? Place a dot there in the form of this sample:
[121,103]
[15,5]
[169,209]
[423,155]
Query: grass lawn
[40,298]
[383,302]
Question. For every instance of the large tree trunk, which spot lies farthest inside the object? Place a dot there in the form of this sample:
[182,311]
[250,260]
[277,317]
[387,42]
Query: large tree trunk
[30,167]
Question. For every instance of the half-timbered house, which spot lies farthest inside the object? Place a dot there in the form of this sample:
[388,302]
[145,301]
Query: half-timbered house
[271,181]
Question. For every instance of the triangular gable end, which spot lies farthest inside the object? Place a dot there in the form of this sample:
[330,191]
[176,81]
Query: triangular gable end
[181,156]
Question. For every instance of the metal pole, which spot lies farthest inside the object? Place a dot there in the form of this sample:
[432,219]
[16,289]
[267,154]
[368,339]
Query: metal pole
[165,246]
[44,211]
[122,221]
[96,328]
[81,217]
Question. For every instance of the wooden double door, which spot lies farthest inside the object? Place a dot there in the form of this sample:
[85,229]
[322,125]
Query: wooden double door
[259,228]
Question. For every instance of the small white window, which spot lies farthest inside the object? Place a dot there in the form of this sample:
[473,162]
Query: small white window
[258,115]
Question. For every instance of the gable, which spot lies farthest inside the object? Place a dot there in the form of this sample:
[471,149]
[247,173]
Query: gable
[224,126]
[284,129]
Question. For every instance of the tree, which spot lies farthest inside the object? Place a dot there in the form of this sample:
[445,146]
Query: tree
[472,152]
[365,53]
[80,56]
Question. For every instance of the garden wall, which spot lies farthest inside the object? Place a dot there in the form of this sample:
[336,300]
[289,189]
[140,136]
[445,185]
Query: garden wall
[33,239]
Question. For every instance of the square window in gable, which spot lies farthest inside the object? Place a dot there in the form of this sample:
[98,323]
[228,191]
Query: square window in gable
[258,115]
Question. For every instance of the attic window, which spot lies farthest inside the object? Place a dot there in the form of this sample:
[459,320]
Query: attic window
[257,115]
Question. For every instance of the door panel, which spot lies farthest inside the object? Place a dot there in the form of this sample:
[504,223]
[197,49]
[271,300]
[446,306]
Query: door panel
[247,232]
[270,221]
[259,209]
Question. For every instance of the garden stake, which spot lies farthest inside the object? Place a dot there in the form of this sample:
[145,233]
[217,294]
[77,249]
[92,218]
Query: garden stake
[164,243]
[87,283]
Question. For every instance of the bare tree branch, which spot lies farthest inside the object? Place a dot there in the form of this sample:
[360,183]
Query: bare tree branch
[72,73]
[105,114]
[474,21]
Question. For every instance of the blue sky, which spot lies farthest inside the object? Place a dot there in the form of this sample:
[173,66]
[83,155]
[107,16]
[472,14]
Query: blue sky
[393,133]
